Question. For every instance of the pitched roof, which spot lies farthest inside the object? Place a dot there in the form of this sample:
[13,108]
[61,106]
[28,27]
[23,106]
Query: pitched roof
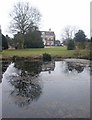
[48,33]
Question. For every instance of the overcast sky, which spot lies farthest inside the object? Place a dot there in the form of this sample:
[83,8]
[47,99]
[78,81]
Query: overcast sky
[56,14]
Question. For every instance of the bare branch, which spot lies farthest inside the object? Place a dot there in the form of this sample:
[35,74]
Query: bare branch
[24,16]
[69,32]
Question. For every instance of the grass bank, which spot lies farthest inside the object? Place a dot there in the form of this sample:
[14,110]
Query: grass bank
[56,52]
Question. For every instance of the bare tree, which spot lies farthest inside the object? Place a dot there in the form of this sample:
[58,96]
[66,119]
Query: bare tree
[24,18]
[69,32]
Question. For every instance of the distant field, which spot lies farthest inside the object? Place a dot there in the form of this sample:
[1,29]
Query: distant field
[54,51]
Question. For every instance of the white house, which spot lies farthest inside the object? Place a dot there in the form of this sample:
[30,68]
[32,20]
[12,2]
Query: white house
[48,37]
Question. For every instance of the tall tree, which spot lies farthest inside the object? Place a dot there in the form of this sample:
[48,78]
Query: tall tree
[18,40]
[69,32]
[80,36]
[33,39]
[24,17]
[4,42]
[80,39]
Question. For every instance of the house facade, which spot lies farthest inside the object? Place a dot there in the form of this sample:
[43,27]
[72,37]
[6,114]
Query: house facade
[48,37]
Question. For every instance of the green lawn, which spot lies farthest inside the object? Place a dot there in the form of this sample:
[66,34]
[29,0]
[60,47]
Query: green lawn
[54,51]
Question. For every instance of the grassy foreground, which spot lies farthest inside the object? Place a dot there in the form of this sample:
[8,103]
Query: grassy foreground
[53,51]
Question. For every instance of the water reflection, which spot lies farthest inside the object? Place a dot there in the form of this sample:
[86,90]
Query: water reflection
[23,76]
[0,71]
[29,67]
[0,90]
[26,87]
[5,65]
[25,92]
[48,66]
[45,89]
[75,66]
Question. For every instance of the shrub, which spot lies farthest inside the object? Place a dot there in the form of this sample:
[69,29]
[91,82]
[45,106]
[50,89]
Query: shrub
[71,45]
[88,45]
[81,45]
[46,57]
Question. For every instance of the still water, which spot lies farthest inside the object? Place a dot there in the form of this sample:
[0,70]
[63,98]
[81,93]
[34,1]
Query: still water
[0,90]
[57,89]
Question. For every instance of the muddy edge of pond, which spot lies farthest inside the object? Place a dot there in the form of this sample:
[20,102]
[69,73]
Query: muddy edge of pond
[40,58]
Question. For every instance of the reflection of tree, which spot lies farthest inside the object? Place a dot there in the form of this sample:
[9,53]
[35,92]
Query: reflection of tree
[26,86]
[25,91]
[3,67]
[48,66]
[5,64]
[30,67]
[0,72]
[75,66]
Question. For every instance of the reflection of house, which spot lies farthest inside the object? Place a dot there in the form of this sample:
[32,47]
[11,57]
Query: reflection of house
[48,38]
[48,66]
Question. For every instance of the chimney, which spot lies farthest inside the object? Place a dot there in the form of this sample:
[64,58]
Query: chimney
[50,30]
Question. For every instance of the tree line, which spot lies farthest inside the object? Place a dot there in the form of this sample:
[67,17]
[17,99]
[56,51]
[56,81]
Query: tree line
[75,38]
[25,21]
[25,26]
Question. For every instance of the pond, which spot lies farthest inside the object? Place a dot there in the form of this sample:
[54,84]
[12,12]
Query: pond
[56,89]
